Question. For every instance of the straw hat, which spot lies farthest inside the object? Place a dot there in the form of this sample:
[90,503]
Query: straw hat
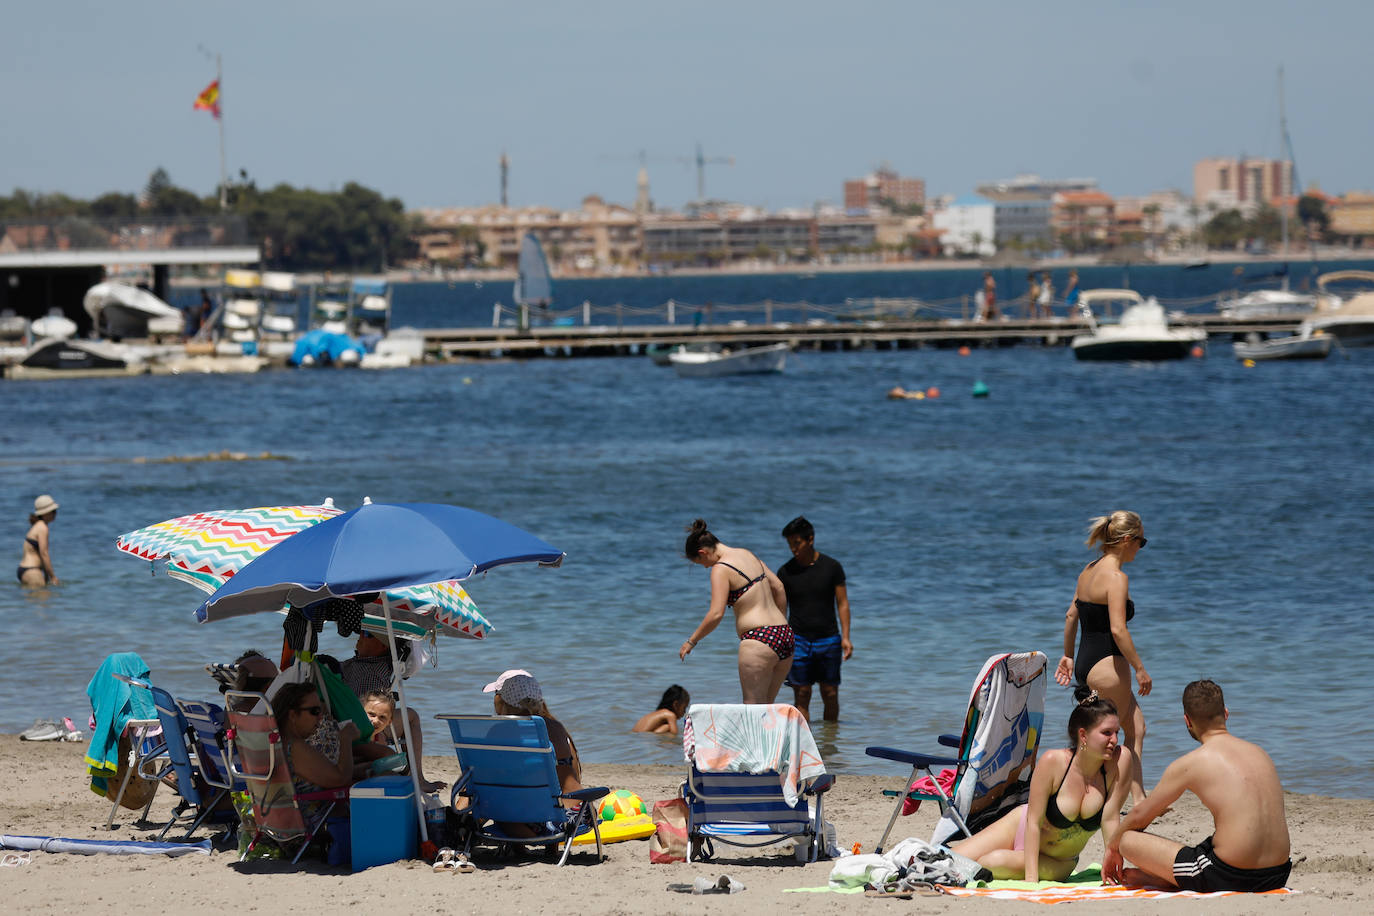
[44,504]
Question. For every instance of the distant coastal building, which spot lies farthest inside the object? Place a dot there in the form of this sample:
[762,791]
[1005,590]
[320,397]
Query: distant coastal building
[883,189]
[1241,183]
[1024,206]
[1083,220]
[1352,216]
[968,226]
[598,236]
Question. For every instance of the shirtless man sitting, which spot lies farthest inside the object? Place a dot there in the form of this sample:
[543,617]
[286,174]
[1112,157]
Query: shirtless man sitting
[1237,782]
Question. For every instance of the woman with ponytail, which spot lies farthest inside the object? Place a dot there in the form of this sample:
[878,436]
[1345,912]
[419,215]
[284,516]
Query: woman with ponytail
[742,581]
[1075,792]
[1101,607]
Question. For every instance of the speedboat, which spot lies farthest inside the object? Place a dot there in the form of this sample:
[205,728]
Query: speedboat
[69,358]
[1141,333]
[120,310]
[747,361]
[1349,320]
[1314,345]
[1266,303]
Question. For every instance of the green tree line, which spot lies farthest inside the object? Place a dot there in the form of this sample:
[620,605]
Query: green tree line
[299,229]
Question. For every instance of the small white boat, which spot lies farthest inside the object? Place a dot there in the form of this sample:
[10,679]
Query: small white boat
[120,310]
[660,354]
[53,325]
[1141,333]
[747,361]
[1293,346]
[1266,303]
[1349,320]
[13,326]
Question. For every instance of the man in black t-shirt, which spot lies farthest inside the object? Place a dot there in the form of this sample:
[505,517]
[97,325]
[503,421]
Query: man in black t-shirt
[816,597]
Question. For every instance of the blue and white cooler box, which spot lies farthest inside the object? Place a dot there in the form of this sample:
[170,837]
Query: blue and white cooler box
[385,825]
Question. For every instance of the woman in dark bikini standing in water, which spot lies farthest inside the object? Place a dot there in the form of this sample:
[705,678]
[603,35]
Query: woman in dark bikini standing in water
[742,581]
[35,563]
[1102,605]
[1074,792]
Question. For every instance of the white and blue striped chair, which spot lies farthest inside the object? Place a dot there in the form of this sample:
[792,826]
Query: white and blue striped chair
[739,808]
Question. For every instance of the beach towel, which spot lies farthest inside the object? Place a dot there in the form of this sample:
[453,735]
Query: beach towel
[739,738]
[1081,885]
[113,704]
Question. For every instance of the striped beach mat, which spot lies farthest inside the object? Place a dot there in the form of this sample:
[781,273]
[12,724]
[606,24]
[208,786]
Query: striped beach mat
[1068,893]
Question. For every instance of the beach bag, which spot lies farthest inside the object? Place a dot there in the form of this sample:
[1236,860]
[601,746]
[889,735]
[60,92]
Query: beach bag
[139,791]
[669,842]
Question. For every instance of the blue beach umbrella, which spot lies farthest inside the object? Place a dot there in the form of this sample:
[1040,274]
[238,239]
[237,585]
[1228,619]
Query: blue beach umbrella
[374,548]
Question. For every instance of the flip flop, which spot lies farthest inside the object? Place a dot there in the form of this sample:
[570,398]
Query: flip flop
[15,859]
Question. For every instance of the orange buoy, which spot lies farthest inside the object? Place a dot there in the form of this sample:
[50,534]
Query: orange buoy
[1198,352]
[964,350]
[932,392]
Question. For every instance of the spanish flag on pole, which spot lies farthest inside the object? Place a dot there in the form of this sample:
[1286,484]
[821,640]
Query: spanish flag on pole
[208,100]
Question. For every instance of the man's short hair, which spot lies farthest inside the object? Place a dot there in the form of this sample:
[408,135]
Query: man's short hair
[1203,701]
[799,527]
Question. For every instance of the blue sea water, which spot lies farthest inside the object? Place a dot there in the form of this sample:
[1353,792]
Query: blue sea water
[959,521]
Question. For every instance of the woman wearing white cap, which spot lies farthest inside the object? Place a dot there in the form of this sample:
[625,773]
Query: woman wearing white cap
[35,563]
[517,693]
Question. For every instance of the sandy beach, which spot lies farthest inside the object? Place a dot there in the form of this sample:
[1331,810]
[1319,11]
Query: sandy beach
[1333,852]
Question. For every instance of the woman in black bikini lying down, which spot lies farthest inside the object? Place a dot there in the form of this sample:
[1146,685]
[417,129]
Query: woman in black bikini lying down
[35,562]
[1101,606]
[742,581]
[1075,792]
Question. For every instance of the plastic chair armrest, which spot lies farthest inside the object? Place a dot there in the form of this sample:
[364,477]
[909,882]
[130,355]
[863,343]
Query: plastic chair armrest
[953,741]
[910,757]
[587,794]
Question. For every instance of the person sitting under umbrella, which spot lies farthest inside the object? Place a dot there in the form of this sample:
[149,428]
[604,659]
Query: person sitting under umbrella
[318,758]
[370,670]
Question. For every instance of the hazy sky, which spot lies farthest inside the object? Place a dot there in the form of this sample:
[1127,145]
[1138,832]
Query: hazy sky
[418,99]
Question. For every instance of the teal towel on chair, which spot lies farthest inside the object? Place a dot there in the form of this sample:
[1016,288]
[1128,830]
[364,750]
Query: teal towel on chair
[114,703]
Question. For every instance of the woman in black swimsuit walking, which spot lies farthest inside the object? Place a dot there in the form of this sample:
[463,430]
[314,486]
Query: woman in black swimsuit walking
[35,563]
[765,639]
[1101,606]
[1075,792]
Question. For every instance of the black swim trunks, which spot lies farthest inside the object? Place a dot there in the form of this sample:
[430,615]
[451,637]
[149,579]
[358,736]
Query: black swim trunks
[1197,868]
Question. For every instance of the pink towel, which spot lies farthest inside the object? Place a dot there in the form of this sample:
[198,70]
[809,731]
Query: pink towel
[926,786]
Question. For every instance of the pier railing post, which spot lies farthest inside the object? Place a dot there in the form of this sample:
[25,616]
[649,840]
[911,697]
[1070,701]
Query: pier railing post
[963,306]
[496,315]
[768,311]
[672,312]
[586,312]
[619,316]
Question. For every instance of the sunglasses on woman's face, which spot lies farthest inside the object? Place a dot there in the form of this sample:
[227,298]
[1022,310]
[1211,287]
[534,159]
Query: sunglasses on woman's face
[313,710]
[1143,541]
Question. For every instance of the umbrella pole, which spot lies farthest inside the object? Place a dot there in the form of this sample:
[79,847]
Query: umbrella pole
[405,720]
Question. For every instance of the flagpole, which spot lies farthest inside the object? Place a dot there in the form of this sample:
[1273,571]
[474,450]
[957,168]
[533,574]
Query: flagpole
[223,174]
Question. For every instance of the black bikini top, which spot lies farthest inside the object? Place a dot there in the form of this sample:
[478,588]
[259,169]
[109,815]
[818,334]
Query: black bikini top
[1092,823]
[736,593]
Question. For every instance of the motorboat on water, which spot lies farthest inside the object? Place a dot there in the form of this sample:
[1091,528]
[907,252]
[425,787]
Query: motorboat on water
[745,361]
[1266,303]
[1141,332]
[1309,345]
[660,354]
[73,357]
[120,310]
[1349,319]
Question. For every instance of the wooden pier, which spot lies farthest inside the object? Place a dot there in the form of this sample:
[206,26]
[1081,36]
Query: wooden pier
[625,340]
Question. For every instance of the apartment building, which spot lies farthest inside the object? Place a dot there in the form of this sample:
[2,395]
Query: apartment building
[1083,220]
[1241,183]
[881,188]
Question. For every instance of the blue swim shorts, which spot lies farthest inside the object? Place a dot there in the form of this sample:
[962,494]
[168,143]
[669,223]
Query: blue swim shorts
[815,661]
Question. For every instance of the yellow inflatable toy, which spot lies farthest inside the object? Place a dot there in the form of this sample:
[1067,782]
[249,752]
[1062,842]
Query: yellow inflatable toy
[624,816]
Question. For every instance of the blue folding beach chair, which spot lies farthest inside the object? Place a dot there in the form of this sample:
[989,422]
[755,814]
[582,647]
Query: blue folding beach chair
[206,725]
[509,776]
[150,757]
[738,808]
[996,751]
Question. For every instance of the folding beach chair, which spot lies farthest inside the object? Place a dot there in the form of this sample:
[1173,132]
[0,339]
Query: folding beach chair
[206,728]
[737,790]
[256,757]
[148,758]
[509,776]
[996,752]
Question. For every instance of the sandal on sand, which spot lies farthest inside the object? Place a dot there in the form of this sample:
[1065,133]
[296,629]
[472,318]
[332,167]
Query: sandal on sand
[444,861]
[15,859]
[462,864]
[722,885]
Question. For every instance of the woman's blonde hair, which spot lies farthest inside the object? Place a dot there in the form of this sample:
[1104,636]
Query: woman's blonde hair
[1110,530]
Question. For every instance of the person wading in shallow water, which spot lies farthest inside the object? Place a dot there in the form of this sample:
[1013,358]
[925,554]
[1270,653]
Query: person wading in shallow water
[818,610]
[35,560]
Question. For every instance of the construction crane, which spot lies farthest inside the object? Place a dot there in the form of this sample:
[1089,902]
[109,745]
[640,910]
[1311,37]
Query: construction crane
[701,162]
